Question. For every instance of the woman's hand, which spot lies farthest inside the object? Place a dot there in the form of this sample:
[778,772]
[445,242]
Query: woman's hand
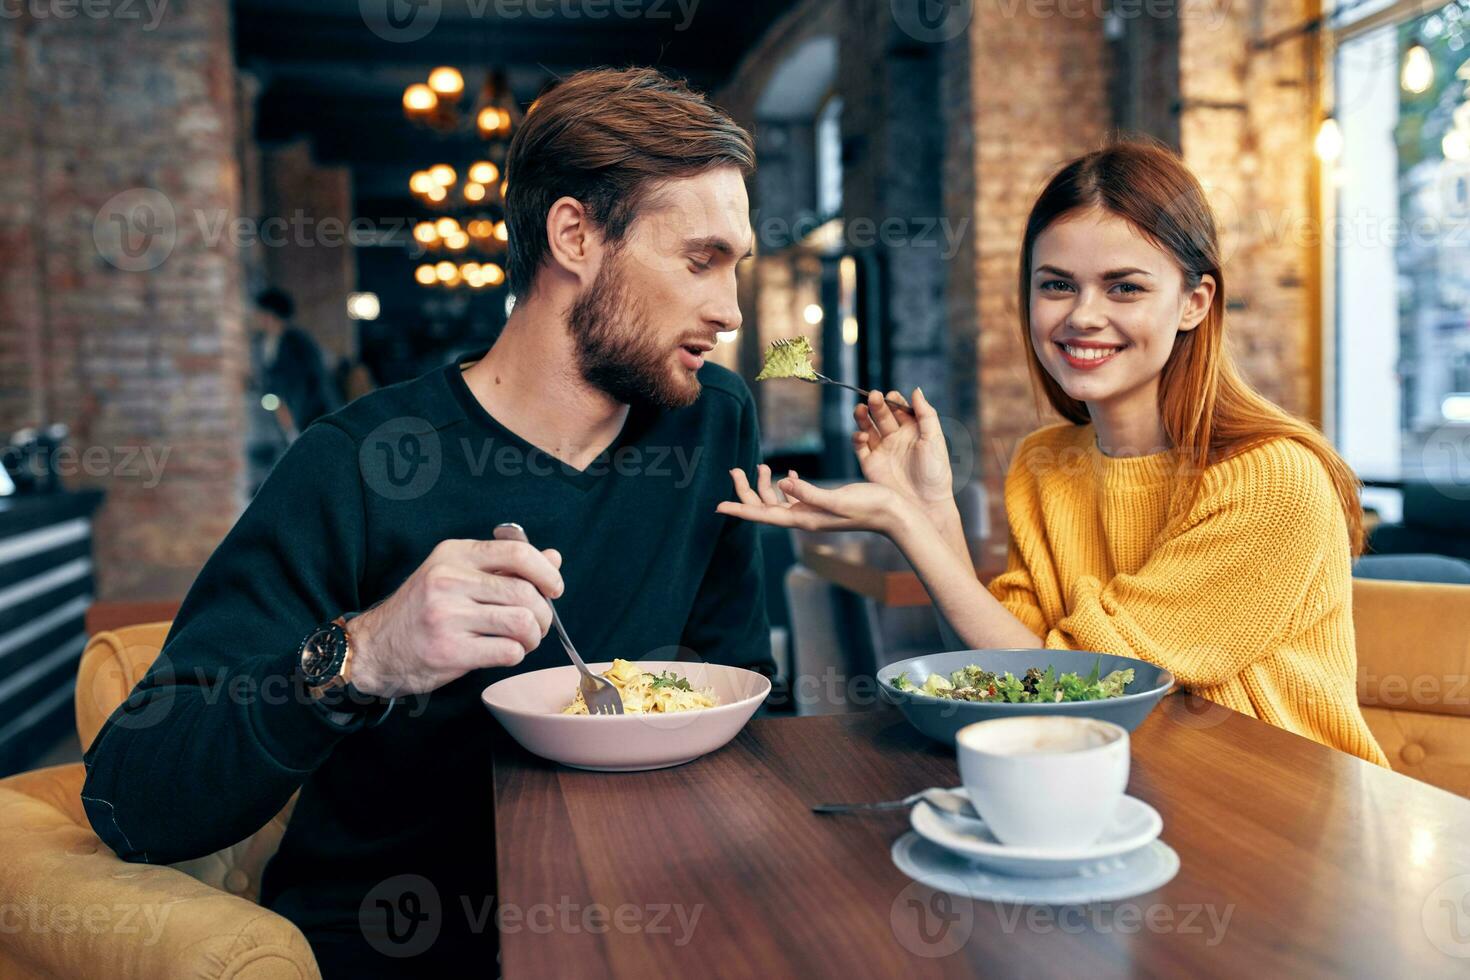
[855,507]
[905,452]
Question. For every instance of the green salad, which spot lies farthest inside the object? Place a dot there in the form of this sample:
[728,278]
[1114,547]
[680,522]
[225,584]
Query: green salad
[971,683]
[789,359]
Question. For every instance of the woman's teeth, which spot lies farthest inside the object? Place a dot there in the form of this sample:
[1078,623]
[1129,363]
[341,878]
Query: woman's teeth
[1090,353]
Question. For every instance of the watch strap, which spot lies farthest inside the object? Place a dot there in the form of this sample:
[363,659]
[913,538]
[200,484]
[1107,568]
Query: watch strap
[344,704]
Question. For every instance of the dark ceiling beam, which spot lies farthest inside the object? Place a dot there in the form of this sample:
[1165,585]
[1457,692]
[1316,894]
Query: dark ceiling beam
[562,47]
[326,76]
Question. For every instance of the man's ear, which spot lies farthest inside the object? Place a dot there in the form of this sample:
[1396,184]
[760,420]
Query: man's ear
[573,240]
[1197,303]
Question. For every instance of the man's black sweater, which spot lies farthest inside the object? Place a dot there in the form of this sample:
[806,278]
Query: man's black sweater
[217,736]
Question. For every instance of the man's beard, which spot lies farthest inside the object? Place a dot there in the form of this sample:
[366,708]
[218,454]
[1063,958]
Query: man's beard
[618,351]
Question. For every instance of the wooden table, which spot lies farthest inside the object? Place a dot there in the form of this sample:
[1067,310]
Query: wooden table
[871,565]
[1296,861]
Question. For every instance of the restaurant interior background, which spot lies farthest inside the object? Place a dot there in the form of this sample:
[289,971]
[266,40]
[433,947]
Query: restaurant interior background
[162,163]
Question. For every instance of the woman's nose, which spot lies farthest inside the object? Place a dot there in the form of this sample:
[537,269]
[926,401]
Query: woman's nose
[1088,314]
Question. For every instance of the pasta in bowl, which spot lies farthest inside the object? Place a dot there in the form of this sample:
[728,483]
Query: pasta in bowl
[534,708]
[644,692]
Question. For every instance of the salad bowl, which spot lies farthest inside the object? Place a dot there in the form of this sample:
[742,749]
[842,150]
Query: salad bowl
[940,717]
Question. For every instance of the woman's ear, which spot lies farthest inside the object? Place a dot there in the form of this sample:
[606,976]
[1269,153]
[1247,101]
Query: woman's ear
[571,239]
[1197,303]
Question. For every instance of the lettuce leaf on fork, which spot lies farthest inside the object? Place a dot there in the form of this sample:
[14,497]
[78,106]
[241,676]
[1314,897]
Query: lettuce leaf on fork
[788,359]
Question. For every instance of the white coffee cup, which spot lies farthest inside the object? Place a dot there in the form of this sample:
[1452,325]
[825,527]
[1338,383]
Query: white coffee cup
[1050,782]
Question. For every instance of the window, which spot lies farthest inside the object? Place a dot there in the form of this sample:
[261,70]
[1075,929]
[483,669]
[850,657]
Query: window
[1402,240]
[829,158]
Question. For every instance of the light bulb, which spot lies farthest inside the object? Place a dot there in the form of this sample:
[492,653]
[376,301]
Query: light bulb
[419,98]
[491,119]
[1329,140]
[446,81]
[1456,145]
[1418,71]
[363,306]
[484,172]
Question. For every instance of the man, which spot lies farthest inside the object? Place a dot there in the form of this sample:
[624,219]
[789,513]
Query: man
[594,423]
[292,365]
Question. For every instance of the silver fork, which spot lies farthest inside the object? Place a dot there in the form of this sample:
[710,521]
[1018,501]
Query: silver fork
[941,799]
[601,695]
[820,378]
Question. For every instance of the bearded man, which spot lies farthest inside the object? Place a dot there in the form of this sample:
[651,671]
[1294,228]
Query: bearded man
[338,639]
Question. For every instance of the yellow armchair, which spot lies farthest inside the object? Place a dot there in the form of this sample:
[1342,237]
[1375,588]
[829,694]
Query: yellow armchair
[1414,676]
[73,909]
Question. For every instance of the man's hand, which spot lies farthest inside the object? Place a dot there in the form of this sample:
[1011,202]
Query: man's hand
[470,604]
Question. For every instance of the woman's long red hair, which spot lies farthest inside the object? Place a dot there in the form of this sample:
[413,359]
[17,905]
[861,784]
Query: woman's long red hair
[1210,413]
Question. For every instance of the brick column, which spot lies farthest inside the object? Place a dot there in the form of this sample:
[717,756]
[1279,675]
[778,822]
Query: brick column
[119,180]
[1246,130]
[22,395]
[306,209]
[1039,85]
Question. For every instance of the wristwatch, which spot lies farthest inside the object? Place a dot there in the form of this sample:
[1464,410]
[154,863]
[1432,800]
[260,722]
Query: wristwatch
[325,659]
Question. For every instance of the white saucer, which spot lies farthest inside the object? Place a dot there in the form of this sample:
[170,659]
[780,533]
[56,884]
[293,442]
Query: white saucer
[1138,873]
[1135,824]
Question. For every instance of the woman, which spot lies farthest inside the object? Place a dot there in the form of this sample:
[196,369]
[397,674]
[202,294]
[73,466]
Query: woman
[1176,516]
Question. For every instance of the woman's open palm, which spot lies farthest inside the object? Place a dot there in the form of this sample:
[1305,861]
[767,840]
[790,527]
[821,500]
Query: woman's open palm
[854,507]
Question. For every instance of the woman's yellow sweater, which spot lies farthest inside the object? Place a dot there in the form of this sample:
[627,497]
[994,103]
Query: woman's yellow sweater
[1246,595]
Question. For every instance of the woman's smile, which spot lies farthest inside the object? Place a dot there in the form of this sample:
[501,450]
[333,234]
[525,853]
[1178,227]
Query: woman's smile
[1088,356]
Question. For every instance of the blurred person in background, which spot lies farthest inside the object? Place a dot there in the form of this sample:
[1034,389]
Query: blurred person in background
[353,379]
[291,365]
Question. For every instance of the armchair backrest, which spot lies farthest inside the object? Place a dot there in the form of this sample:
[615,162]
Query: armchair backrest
[1414,676]
[112,664]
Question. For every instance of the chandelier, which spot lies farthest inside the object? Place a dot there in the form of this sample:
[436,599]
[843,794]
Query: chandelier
[438,104]
[448,235]
[473,228]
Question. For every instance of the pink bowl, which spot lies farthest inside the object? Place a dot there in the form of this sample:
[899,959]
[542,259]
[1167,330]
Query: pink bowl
[529,706]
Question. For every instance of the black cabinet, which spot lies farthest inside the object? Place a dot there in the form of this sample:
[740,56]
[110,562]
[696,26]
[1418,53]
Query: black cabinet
[46,585]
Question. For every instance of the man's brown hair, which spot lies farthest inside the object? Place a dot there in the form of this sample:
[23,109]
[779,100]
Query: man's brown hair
[605,137]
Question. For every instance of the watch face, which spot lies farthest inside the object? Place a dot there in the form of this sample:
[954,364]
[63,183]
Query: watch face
[322,653]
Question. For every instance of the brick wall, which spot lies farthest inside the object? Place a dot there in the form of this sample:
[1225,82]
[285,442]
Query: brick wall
[1246,129]
[21,394]
[1039,96]
[132,332]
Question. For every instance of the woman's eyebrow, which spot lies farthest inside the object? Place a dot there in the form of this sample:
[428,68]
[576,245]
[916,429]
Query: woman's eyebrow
[1107,276]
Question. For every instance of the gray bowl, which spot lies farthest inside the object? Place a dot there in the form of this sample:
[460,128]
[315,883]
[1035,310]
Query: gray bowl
[940,718]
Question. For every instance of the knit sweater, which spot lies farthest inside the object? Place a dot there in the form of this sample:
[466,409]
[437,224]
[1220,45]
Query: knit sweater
[1245,594]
